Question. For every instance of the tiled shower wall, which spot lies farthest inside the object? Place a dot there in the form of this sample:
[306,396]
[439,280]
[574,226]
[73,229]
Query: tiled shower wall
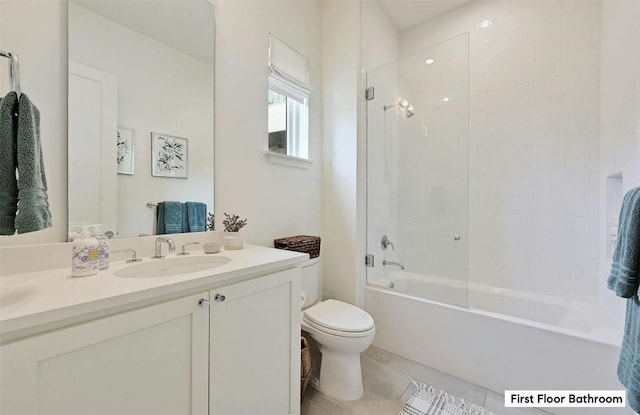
[433,168]
[533,141]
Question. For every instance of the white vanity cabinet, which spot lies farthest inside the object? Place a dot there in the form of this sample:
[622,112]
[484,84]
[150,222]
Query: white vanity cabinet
[238,354]
[153,360]
[255,346]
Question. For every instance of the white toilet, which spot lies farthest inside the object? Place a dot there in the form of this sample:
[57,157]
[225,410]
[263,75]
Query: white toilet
[342,331]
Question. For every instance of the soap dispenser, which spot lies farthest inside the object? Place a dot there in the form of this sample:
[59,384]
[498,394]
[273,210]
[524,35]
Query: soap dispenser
[86,254]
[103,247]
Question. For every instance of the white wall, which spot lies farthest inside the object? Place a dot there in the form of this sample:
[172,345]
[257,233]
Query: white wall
[619,122]
[340,23]
[277,200]
[160,89]
[42,47]
[380,40]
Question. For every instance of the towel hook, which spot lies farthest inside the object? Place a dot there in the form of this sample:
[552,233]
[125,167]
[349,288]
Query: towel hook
[14,71]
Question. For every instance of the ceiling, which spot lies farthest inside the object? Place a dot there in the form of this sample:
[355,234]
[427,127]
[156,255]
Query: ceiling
[408,13]
[186,25]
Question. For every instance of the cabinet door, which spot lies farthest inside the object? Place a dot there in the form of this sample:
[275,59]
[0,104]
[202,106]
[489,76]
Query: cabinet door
[255,346]
[153,360]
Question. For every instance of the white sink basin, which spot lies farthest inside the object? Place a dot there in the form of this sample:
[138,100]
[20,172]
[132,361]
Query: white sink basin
[12,295]
[171,266]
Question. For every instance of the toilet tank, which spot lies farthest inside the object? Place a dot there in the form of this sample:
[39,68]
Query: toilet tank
[311,281]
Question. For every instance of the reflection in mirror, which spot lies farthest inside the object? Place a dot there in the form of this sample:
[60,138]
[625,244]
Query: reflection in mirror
[140,90]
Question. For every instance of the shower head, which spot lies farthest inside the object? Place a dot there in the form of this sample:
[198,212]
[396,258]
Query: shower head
[407,109]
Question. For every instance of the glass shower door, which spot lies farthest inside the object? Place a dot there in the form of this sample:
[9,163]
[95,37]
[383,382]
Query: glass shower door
[417,173]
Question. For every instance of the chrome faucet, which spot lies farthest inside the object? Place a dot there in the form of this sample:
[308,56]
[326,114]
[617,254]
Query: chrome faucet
[159,241]
[183,251]
[385,263]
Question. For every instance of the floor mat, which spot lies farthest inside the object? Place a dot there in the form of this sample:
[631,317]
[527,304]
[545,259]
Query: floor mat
[425,400]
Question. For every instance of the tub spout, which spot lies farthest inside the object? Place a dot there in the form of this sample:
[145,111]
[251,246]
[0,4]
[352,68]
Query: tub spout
[385,263]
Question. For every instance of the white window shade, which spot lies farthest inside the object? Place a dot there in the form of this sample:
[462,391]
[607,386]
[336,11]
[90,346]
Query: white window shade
[288,71]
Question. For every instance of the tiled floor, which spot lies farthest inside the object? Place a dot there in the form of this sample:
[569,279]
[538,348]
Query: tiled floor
[386,386]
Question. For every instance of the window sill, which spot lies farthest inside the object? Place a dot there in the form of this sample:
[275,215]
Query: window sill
[286,160]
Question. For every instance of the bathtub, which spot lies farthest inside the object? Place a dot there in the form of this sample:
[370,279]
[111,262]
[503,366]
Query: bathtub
[505,340]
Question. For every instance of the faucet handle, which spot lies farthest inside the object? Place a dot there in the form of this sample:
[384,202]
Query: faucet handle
[183,251]
[385,242]
[133,258]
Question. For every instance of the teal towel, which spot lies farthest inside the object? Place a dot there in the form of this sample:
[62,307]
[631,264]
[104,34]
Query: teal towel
[624,281]
[8,163]
[197,214]
[626,256]
[629,364]
[160,219]
[170,218]
[33,204]
[185,218]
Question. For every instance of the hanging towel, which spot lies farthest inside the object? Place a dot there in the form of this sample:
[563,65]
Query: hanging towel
[8,163]
[185,218]
[624,281]
[629,364]
[170,218]
[197,214]
[626,256]
[33,204]
[160,219]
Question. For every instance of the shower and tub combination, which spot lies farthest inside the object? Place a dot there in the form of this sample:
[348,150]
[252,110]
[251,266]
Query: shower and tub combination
[484,200]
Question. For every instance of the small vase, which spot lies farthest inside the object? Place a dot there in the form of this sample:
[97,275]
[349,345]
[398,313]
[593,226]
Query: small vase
[232,240]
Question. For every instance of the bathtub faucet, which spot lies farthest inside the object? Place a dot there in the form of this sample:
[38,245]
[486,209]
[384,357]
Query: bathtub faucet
[385,263]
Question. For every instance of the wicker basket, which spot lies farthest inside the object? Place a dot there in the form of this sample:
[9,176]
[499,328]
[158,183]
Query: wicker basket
[305,364]
[301,243]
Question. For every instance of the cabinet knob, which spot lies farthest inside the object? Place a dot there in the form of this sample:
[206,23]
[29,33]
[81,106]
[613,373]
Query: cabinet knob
[219,298]
[204,303]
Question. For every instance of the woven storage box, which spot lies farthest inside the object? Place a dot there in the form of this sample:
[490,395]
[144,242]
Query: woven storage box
[301,243]
[305,364]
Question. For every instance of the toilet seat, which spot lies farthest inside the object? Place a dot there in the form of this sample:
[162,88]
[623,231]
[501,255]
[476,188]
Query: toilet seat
[339,318]
[309,325]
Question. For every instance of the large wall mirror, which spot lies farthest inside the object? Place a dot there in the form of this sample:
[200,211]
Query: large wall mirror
[141,88]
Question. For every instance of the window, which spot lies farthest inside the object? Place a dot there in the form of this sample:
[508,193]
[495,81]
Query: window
[277,122]
[288,101]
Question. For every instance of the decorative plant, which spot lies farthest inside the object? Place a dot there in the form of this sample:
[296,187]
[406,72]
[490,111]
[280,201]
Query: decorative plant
[211,222]
[233,223]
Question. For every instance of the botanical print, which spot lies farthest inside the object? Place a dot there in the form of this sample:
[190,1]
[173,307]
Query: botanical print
[124,143]
[169,156]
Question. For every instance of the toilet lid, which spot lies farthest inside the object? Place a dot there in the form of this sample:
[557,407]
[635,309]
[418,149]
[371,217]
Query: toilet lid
[340,316]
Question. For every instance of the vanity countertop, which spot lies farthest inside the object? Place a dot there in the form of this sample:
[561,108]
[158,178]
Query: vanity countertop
[36,299]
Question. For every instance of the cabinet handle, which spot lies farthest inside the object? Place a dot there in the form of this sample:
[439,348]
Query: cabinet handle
[204,303]
[219,298]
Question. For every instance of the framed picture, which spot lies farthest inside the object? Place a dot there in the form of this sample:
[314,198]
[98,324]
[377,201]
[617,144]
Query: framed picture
[169,156]
[125,151]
